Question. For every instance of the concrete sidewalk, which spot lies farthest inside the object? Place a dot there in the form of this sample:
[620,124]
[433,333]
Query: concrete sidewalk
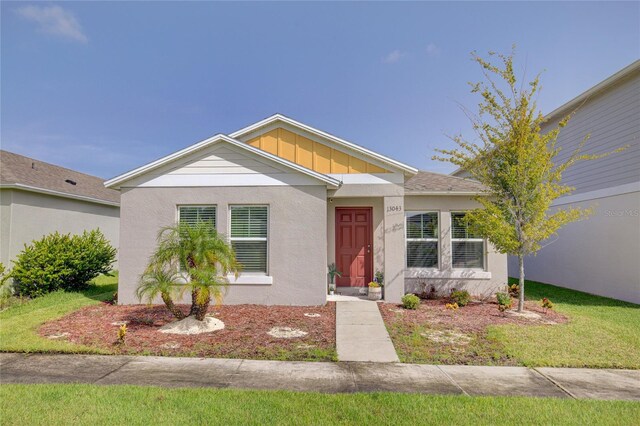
[320,376]
[361,334]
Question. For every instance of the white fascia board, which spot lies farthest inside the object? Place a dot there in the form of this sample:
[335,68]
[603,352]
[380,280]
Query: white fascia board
[115,182]
[45,191]
[357,148]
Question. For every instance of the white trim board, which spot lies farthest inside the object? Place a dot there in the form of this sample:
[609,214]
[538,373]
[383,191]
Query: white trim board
[117,181]
[35,189]
[388,162]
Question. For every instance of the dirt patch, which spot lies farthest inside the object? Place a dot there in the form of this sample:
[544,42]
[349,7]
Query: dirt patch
[245,334]
[434,334]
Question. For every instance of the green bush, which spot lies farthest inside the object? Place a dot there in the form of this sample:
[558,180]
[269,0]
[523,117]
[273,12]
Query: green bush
[62,262]
[504,301]
[461,297]
[410,301]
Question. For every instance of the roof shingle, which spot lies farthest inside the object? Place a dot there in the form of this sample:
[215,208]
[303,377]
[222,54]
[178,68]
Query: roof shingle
[21,170]
[428,182]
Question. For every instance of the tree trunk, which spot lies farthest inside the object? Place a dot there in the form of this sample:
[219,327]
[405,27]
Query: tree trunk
[166,298]
[198,310]
[521,295]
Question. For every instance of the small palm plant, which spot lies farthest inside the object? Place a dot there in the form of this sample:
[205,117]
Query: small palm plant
[201,259]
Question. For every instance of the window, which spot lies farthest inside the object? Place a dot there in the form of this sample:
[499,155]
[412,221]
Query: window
[467,249]
[194,214]
[249,237]
[422,239]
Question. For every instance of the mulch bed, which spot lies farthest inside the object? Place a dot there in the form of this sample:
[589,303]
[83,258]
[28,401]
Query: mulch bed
[435,334]
[244,336]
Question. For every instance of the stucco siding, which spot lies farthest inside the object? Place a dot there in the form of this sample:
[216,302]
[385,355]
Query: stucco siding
[5,225]
[480,283]
[611,118]
[599,255]
[32,215]
[297,242]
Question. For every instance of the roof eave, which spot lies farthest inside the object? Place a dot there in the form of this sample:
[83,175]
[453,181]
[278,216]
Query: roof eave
[463,193]
[52,192]
[118,180]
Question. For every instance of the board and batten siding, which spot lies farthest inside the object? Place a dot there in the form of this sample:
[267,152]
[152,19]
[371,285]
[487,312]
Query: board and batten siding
[311,154]
[611,118]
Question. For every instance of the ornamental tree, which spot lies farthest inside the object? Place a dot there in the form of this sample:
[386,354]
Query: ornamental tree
[517,162]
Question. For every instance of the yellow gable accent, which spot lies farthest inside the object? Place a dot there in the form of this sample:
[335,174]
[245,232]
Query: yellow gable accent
[310,154]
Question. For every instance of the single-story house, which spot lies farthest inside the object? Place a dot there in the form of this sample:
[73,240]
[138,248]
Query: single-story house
[293,199]
[38,198]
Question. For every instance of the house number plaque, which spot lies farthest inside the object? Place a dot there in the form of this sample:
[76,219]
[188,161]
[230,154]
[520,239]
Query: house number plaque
[394,209]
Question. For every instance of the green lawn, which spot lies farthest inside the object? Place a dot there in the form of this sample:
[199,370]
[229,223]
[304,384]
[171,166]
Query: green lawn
[601,332]
[19,323]
[131,405]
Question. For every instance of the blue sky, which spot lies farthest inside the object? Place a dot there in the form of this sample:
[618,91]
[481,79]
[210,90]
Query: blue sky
[106,87]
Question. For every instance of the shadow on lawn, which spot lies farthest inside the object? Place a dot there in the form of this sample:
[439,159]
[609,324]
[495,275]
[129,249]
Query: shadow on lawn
[536,290]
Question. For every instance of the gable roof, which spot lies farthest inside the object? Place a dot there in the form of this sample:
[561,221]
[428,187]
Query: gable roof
[20,172]
[428,183]
[338,141]
[118,180]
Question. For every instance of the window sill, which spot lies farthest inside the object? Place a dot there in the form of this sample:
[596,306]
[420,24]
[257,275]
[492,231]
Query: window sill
[250,280]
[467,274]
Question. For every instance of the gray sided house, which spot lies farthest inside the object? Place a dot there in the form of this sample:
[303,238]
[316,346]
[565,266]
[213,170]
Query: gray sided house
[293,199]
[600,255]
[38,198]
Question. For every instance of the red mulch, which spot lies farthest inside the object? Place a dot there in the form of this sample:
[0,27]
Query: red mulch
[474,317]
[244,336]
[466,340]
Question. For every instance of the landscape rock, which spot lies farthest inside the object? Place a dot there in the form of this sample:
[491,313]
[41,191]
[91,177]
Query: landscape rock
[286,332]
[190,325]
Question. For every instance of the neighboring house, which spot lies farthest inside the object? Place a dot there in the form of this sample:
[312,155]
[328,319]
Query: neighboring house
[600,255]
[293,199]
[38,198]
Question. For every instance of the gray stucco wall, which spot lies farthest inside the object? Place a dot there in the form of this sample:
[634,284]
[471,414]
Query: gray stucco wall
[27,216]
[599,255]
[297,247]
[479,283]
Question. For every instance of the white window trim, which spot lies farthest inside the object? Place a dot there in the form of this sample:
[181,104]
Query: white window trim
[252,277]
[453,240]
[437,240]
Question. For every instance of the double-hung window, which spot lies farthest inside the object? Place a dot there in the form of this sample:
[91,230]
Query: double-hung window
[422,239]
[191,215]
[249,230]
[467,248]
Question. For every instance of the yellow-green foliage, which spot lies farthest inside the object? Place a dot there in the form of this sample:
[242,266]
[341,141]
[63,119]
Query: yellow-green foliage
[122,333]
[452,306]
[410,301]
[546,303]
[519,164]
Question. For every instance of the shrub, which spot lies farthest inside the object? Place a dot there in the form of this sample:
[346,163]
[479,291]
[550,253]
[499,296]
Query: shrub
[504,301]
[514,290]
[6,288]
[451,306]
[461,297]
[546,304]
[410,301]
[62,262]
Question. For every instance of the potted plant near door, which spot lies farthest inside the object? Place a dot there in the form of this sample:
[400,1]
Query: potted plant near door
[379,278]
[375,291]
[333,272]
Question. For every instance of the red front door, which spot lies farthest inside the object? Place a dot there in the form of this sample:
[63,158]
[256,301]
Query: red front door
[354,257]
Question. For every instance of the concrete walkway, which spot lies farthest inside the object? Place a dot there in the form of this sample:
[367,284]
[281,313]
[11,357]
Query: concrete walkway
[320,376]
[361,334]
